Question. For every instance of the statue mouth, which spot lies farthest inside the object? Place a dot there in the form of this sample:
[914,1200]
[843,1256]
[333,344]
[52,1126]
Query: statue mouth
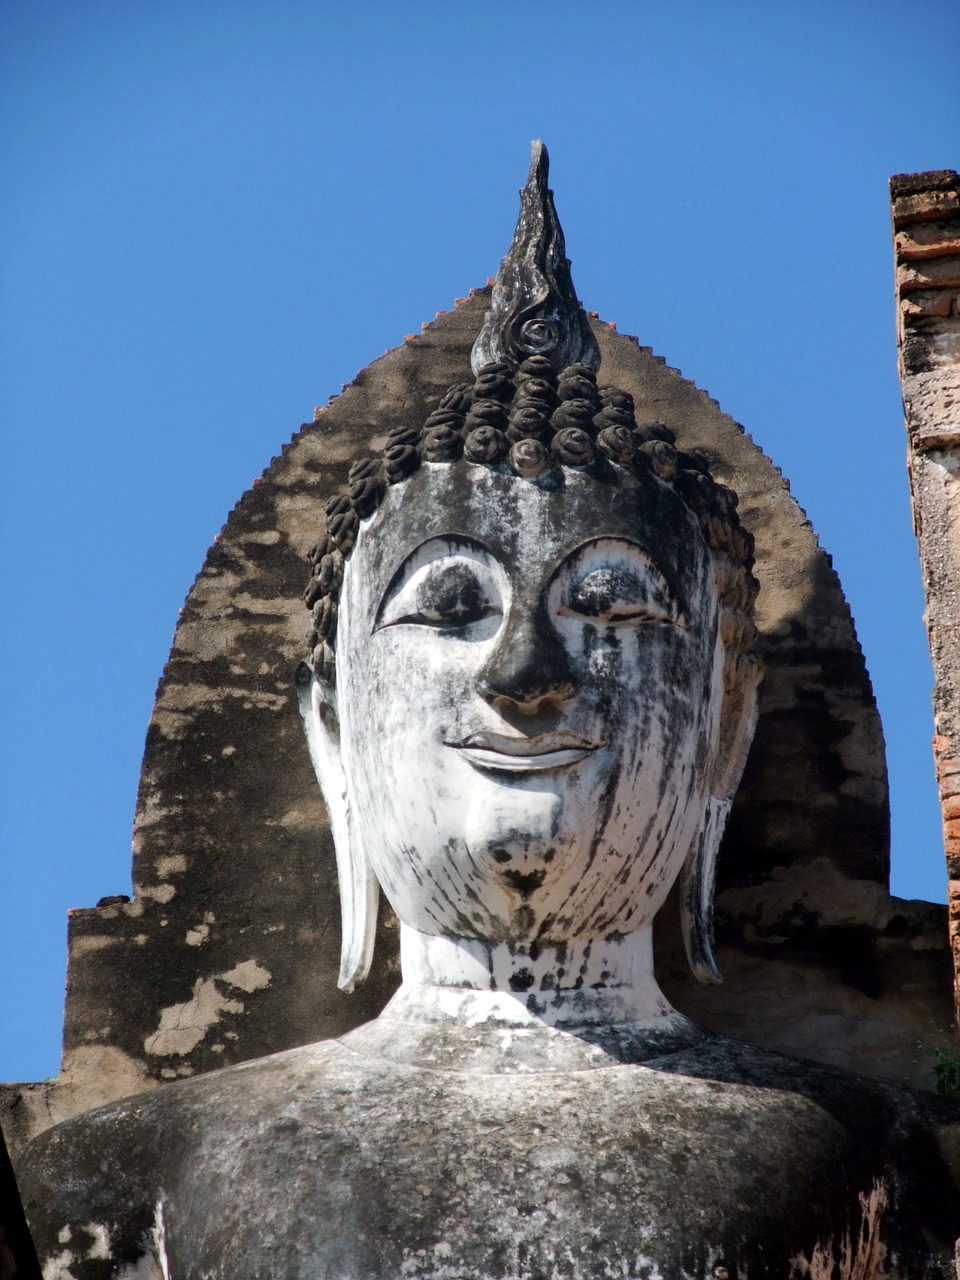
[539,754]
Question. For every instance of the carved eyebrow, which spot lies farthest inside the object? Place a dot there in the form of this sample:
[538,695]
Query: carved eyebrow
[436,548]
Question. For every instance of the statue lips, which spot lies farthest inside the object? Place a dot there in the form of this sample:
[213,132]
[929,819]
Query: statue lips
[539,754]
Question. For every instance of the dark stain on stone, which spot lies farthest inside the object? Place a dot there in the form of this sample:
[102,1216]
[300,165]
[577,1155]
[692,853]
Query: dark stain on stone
[523,920]
[851,951]
[522,980]
[896,927]
[525,883]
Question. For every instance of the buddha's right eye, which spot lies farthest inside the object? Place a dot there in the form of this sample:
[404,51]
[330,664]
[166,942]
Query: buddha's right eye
[449,593]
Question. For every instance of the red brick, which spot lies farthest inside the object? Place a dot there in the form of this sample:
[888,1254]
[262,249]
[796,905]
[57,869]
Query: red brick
[927,240]
[911,184]
[928,206]
[926,306]
[938,273]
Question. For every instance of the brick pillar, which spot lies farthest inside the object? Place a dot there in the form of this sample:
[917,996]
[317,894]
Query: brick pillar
[926,224]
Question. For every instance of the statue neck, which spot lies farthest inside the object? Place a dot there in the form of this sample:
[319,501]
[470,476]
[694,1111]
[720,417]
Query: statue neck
[577,984]
[507,1008]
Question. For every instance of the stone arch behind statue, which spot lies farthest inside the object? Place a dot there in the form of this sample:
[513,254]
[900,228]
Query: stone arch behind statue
[230,947]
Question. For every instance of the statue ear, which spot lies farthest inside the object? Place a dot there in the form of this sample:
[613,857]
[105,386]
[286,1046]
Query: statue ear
[743,676]
[359,890]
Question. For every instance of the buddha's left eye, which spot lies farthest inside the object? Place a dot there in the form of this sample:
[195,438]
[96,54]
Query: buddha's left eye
[449,593]
[615,584]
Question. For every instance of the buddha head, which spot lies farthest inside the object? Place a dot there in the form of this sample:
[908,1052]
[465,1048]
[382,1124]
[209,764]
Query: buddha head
[530,693]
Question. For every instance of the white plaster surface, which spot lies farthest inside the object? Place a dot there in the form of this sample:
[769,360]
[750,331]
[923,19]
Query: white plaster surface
[182,1026]
[248,976]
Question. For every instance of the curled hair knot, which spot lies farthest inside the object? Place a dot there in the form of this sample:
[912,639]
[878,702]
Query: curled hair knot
[528,458]
[443,444]
[485,444]
[573,447]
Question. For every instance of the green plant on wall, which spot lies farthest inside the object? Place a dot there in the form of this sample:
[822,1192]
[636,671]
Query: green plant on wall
[946,1070]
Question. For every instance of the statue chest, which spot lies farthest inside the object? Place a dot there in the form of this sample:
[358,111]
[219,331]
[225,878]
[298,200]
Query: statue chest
[619,1172]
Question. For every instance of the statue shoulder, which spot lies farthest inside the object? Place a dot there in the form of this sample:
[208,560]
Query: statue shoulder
[908,1138]
[94,1187]
[339,1158]
[859,1103]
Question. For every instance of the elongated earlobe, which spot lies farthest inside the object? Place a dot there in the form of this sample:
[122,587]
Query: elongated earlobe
[699,875]
[359,890]
[697,881]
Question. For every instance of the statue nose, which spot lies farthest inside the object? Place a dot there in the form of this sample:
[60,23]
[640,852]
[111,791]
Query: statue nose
[529,667]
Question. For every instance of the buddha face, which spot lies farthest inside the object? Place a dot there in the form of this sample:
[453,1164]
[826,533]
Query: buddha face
[528,696]
[528,689]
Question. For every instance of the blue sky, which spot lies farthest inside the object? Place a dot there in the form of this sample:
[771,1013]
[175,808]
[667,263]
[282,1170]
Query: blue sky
[214,212]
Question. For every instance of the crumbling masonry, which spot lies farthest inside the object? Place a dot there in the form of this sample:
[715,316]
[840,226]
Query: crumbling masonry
[926,224]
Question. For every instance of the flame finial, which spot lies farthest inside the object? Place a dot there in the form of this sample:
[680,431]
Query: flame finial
[535,309]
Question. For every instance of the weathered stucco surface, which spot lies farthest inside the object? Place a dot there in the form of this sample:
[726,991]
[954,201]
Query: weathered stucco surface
[339,1160]
[229,949]
[926,224]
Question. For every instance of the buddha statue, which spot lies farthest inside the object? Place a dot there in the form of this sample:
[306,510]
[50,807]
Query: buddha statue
[529,699]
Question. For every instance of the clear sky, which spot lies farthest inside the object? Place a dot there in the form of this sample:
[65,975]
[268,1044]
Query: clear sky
[214,212]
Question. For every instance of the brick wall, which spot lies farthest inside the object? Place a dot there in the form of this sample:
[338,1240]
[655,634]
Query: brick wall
[926,224]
